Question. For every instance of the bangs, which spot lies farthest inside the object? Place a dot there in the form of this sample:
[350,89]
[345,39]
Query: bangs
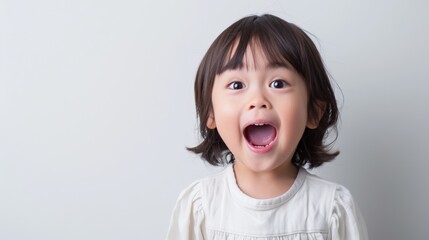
[275,42]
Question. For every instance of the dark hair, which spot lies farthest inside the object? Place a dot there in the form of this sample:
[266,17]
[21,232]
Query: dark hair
[282,43]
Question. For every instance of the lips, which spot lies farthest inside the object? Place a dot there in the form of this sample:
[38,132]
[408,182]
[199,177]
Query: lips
[260,136]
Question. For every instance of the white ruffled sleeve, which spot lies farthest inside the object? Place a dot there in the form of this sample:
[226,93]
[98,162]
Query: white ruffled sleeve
[346,221]
[187,220]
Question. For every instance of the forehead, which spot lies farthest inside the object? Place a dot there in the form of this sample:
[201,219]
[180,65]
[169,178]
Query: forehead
[252,56]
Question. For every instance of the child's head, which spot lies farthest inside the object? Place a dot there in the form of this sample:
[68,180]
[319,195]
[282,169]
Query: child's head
[281,44]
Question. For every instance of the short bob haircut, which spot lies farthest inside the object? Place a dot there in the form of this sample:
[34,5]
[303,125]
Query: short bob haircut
[283,44]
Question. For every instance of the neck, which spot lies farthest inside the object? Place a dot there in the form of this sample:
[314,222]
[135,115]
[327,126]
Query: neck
[265,184]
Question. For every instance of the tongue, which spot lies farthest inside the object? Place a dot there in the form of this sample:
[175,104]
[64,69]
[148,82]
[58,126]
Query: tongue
[260,135]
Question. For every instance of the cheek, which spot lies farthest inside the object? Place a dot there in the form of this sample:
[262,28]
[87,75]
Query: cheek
[223,108]
[301,113]
[295,117]
[227,118]
[300,107]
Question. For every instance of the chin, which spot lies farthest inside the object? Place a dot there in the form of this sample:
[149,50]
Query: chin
[263,165]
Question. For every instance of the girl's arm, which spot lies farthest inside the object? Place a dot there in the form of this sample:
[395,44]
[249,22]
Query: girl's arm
[187,220]
[346,220]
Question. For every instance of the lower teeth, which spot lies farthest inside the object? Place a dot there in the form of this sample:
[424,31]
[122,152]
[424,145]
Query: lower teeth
[260,146]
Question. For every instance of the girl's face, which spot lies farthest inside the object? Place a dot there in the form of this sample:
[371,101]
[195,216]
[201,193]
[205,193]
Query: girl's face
[260,111]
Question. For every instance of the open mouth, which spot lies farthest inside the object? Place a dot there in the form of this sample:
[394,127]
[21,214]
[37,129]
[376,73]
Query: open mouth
[260,135]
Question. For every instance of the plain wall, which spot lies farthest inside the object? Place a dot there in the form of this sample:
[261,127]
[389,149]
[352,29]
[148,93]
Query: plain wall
[96,109]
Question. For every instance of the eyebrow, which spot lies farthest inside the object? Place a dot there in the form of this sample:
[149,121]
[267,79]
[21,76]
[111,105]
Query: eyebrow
[273,65]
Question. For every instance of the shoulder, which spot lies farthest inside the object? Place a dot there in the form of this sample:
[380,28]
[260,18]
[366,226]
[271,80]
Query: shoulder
[342,212]
[338,193]
[190,194]
[199,191]
[323,185]
[328,194]
[189,214]
[321,188]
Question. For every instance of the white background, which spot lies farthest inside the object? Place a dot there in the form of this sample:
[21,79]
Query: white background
[96,109]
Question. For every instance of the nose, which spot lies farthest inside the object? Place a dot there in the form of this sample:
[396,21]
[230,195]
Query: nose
[259,101]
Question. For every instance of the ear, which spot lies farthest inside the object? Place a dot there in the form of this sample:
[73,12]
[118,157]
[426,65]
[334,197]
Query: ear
[211,123]
[313,122]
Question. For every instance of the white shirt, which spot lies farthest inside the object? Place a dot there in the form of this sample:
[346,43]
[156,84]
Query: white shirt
[215,208]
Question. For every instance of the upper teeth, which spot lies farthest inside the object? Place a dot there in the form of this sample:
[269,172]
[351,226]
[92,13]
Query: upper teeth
[259,124]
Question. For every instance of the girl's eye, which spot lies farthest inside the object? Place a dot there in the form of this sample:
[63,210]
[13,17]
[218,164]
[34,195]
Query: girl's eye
[278,84]
[236,85]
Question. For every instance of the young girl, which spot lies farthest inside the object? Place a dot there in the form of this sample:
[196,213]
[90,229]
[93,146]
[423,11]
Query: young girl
[265,103]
